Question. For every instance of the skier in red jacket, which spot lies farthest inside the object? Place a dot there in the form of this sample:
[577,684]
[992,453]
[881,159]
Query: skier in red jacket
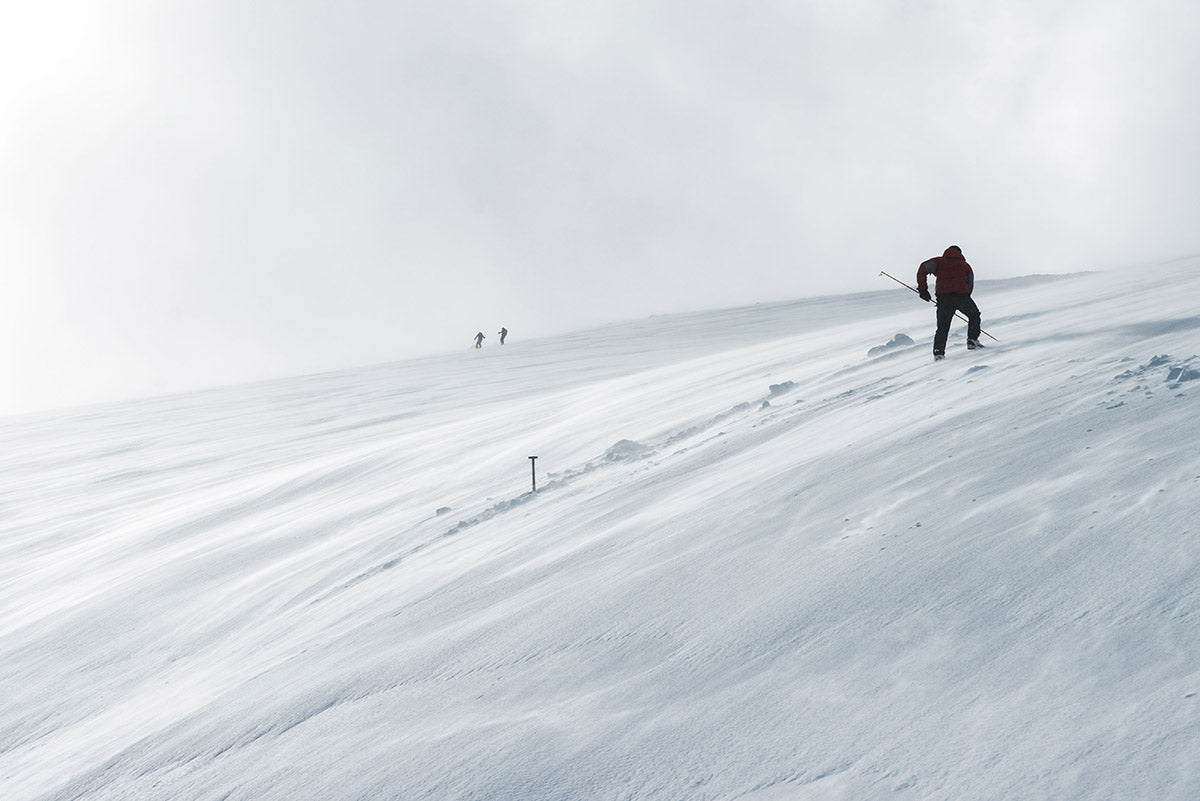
[955,280]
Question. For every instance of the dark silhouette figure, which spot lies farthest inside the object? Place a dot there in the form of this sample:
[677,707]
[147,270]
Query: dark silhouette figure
[503,334]
[479,340]
[955,282]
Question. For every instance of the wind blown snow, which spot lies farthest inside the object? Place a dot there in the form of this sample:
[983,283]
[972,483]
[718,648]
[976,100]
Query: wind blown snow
[760,564]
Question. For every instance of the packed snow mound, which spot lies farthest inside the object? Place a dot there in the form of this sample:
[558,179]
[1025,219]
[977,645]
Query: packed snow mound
[974,579]
[626,449]
[1171,370]
[1182,373]
[900,340]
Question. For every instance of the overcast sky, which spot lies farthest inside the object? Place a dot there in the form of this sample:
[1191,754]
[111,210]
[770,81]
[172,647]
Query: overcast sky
[199,193]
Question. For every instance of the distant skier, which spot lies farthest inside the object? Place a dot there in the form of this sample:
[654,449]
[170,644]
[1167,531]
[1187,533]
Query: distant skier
[479,340]
[955,281]
[503,334]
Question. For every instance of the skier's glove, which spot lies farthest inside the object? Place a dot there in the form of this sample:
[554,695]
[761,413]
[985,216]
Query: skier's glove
[925,296]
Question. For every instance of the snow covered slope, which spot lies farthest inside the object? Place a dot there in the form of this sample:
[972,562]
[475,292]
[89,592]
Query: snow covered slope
[761,564]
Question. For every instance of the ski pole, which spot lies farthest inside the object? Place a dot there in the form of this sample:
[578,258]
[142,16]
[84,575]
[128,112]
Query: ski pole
[957,314]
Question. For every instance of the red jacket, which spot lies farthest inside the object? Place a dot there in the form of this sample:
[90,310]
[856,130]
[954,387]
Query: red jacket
[952,271]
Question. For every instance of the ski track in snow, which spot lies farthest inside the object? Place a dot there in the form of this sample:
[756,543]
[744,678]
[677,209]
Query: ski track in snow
[776,552]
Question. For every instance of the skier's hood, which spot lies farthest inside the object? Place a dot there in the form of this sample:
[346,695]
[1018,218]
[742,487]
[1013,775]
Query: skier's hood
[954,250]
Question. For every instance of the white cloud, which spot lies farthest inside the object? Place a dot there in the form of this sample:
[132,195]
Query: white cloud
[323,186]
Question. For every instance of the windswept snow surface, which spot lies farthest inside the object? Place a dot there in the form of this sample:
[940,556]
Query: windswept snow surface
[761,564]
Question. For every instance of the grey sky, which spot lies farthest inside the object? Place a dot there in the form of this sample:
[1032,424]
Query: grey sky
[194,193]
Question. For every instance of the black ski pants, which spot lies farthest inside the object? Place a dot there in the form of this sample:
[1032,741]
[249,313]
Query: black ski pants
[947,305]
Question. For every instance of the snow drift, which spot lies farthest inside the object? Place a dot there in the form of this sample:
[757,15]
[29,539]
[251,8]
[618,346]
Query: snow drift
[761,564]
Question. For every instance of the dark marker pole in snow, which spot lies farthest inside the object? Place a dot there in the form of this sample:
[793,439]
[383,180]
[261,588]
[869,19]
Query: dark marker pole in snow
[533,470]
[957,314]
